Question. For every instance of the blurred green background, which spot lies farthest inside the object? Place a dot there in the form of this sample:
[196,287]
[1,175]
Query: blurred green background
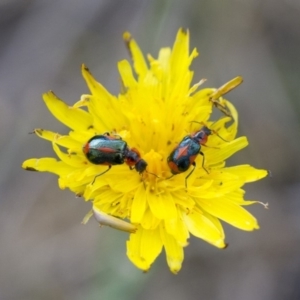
[45,252]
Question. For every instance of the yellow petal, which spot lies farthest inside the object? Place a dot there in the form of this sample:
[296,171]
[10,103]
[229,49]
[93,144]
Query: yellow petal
[76,161]
[202,227]
[162,206]
[237,197]
[106,196]
[140,65]
[74,118]
[247,173]
[178,229]
[62,140]
[95,87]
[233,113]
[214,220]
[174,251]
[139,205]
[160,67]
[214,184]
[214,156]
[229,212]
[83,102]
[180,54]
[83,136]
[227,87]
[183,199]
[149,221]
[46,164]
[104,107]
[138,250]
[125,71]
[116,179]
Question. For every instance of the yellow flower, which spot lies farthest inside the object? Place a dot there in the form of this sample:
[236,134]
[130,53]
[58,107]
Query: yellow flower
[156,108]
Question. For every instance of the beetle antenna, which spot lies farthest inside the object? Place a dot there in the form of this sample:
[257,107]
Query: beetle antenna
[152,174]
[216,133]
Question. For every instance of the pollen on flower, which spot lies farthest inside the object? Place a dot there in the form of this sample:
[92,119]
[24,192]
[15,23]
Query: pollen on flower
[151,160]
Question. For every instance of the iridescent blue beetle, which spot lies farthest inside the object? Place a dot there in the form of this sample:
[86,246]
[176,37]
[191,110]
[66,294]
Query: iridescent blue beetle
[184,155]
[112,150]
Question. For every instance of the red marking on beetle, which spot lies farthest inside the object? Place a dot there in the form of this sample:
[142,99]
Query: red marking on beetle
[192,158]
[86,148]
[204,140]
[107,150]
[183,151]
[173,167]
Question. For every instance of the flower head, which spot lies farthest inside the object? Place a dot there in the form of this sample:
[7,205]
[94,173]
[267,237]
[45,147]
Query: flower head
[152,156]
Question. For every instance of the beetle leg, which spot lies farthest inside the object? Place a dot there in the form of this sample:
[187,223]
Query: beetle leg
[222,107]
[116,135]
[101,174]
[201,153]
[186,178]
[216,133]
